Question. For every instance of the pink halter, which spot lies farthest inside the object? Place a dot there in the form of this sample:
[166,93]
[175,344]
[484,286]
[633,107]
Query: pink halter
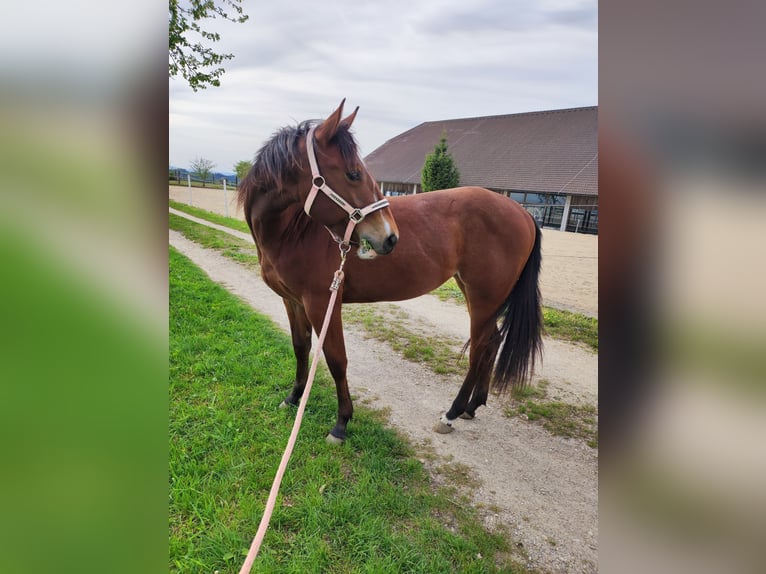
[318,183]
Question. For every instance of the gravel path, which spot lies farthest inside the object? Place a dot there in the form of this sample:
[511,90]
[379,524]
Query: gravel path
[541,487]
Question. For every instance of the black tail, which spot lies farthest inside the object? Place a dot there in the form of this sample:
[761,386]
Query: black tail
[520,333]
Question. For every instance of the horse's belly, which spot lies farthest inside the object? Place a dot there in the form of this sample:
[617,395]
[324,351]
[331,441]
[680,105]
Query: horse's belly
[380,284]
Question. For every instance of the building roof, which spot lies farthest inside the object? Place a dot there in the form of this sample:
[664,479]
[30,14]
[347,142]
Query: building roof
[552,151]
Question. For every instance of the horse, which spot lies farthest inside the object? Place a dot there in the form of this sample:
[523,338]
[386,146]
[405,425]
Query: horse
[398,248]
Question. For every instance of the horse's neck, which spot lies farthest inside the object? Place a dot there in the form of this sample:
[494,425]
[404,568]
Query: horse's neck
[275,225]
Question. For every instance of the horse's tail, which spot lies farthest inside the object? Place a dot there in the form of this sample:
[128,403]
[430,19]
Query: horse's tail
[520,333]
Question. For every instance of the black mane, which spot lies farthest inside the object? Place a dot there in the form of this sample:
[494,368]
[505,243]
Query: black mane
[279,159]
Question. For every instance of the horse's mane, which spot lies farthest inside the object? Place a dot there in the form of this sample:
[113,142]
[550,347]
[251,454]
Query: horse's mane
[278,161]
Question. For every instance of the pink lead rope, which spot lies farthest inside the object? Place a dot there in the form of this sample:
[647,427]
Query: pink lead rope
[271,502]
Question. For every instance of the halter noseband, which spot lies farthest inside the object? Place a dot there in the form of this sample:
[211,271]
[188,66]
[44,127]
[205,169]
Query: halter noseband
[318,183]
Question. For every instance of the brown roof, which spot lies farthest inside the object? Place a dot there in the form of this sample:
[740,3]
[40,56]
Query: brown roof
[549,151]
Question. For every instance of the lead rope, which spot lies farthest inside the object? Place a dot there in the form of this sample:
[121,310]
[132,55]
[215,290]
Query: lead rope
[271,502]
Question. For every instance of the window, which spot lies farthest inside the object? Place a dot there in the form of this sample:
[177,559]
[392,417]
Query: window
[536,198]
[552,217]
[557,199]
[583,220]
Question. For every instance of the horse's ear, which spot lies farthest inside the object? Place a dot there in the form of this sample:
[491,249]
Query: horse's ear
[346,122]
[329,127]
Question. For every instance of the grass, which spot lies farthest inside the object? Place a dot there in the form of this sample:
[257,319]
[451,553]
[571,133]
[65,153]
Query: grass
[559,418]
[449,291]
[569,326]
[365,507]
[233,223]
[239,250]
[386,324]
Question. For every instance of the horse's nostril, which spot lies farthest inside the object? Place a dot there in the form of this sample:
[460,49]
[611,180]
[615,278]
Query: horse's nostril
[390,242]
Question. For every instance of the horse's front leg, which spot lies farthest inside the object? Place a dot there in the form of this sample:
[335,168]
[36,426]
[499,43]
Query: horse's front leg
[335,354]
[300,330]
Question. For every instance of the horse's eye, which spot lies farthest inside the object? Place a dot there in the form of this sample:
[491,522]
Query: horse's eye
[354,175]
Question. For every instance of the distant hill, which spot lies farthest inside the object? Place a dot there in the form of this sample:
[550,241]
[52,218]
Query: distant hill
[179,174]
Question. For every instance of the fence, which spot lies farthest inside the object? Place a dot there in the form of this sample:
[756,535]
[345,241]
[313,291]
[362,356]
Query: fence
[179,177]
[195,195]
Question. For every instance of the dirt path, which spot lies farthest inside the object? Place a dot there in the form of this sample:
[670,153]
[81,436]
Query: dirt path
[541,487]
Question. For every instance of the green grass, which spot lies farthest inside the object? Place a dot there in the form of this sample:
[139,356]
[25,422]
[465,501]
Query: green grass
[238,224]
[239,250]
[449,291]
[364,507]
[559,418]
[570,326]
[386,323]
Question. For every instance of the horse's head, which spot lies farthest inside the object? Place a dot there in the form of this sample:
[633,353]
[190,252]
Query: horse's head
[343,191]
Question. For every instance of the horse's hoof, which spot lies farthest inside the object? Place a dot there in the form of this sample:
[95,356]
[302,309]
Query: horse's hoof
[443,428]
[332,439]
[467,416]
[287,404]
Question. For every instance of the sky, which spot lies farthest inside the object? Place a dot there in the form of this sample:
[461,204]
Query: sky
[403,62]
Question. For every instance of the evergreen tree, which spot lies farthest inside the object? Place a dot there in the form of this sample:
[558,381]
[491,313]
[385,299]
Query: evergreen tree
[439,170]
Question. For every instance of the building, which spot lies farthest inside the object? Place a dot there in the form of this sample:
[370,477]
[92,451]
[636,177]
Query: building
[547,161]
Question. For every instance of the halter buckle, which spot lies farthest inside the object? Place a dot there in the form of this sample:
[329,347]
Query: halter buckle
[318,181]
[356,216]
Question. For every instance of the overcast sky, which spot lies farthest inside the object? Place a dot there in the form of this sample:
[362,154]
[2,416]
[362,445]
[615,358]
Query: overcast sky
[403,62]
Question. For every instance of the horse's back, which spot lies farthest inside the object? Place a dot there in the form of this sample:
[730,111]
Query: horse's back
[471,199]
[475,213]
[471,232]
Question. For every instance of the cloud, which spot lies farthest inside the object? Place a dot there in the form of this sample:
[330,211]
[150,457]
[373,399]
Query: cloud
[402,63]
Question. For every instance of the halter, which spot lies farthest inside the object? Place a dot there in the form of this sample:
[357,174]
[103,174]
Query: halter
[318,183]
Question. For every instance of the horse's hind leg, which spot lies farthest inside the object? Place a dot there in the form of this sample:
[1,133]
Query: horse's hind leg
[481,375]
[481,389]
[475,387]
[444,425]
[300,330]
[483,350]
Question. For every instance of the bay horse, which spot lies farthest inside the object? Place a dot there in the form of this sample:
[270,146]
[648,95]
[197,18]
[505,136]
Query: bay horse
[397,249]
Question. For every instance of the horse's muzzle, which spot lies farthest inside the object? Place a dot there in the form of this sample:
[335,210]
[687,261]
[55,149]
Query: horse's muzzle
[388,244]
[370,249]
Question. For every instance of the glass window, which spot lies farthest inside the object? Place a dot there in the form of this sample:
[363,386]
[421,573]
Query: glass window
[535,198]
[591,222]
[517,196]
[552,217]
[583,221]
